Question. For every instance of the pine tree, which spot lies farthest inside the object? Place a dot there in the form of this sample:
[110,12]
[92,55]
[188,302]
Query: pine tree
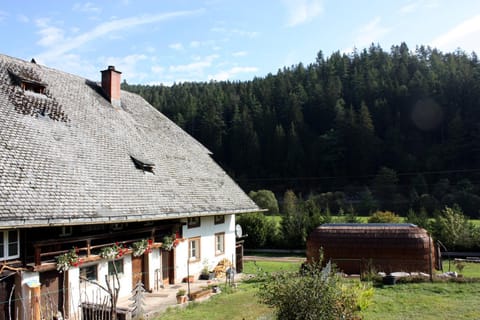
[138,304]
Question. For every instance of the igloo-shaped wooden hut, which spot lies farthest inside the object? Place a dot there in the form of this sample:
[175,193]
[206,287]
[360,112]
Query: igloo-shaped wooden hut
[356,247]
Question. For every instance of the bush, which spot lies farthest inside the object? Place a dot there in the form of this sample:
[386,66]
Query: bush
[454,230]
[384,217]
[265,199]
[316,293]
[258,228]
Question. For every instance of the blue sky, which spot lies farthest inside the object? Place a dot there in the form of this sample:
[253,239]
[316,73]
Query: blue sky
[167,41]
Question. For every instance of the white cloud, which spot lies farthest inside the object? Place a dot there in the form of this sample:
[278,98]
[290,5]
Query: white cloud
[240,54]
[464,35]
[65,45]
[86,7]
[235,32]
[369,33]
[415,5]
[228,74]
[302,11]
[23,18]
[195,44]
[158,69]
[49,35]
[127,65]
[3,15]
[409,7]
[197,66]
[150,49]
[176,46]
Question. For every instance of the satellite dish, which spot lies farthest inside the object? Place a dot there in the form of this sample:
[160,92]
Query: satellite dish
[238,231]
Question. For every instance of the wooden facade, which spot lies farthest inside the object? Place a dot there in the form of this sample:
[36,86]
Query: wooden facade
[357,248]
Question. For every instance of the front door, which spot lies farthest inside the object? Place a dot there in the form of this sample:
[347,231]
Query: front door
[52,293]
[168,270]
[137,271]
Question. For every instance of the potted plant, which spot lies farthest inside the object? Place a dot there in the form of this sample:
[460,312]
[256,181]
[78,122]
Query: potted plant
[206,274]
[181,296]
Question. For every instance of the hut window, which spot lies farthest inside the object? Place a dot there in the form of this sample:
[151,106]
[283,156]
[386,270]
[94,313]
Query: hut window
[117,264]
[194,249]
[219,219]
[9,244]
[219,243]
[65,231]
[193,222]
[89,273]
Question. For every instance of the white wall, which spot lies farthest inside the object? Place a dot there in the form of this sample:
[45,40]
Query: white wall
[206,232]
[153,268]
[86,291]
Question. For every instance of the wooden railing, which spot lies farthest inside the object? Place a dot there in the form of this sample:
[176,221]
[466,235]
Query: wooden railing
[87,245]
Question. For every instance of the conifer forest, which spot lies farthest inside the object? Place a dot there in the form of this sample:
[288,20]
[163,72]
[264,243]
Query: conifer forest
[398,128]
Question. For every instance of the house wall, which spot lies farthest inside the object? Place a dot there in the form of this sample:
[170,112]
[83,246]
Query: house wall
[89,292]
[154,270]
[84,291]
[206,232]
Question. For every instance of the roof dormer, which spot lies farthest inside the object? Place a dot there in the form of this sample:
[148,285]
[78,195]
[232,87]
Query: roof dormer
[28,83]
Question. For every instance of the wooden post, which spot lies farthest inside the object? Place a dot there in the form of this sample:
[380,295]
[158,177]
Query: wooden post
[88,247]
[38,257]
[35,302]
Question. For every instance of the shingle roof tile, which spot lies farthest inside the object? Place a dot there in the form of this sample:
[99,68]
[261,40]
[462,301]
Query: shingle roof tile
[75,162]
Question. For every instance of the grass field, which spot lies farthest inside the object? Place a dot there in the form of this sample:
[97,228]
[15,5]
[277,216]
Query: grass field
[425,301]
[400,301]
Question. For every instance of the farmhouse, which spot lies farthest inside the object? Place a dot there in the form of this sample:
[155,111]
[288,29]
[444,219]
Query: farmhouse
[93,179]
[355,248]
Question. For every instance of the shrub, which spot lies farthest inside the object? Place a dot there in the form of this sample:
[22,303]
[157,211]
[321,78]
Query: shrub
[265,199]
[315,293]
[384,217]
[454,230]
[258,229]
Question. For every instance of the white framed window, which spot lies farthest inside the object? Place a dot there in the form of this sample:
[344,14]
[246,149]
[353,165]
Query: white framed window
[219,243]
[9,244]
[219,219]
[194,249]
[193,222]
[115,265]
[89,272]
[65,231]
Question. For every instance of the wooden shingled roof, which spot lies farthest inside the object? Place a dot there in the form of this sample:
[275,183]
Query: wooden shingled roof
[68,156]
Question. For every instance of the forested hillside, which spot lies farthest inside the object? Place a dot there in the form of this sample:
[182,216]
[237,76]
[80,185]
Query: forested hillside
[403,124]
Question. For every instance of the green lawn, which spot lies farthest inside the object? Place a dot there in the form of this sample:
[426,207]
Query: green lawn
[401,301]
[241,303]
[425,301]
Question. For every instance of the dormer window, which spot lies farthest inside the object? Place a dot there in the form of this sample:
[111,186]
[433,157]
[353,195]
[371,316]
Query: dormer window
[32,86]
[143,164]
[28,81]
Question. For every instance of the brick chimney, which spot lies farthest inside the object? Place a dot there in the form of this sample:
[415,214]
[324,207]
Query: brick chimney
[111,85]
